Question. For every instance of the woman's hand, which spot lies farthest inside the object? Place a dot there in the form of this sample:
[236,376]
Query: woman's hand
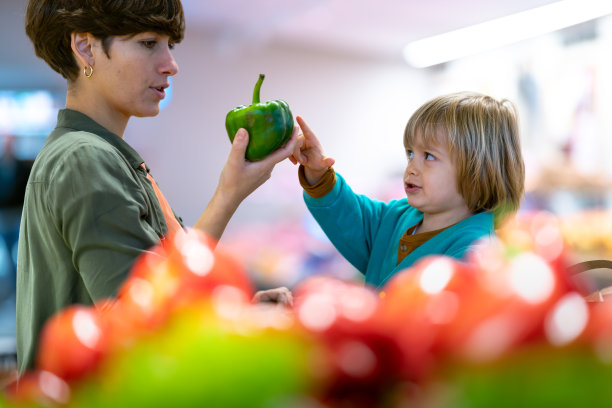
[279,296]
[309,153]
[238,179]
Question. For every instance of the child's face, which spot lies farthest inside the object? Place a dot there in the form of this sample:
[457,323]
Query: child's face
[430,179]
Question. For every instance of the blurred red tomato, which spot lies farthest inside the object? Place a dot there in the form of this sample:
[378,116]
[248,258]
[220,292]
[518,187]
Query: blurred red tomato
[419,302]
[38,388]
[72,342]
[362,360]
[196,266]
[184,268]
[141,308]
[598,331]
[477,311]
[145,298]
[206,267]
[527,267]
[540,233]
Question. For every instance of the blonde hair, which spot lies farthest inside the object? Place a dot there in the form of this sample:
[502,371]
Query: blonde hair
[483,139]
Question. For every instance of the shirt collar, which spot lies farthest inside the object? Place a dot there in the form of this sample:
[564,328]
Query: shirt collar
[71,119]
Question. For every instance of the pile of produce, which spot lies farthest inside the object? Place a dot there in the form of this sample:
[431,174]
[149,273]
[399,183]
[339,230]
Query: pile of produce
[509,328]
[588,234]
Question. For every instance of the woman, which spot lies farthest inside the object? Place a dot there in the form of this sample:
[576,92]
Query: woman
[91,207]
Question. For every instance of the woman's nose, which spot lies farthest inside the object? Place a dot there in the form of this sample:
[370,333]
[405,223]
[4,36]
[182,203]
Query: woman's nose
[169,66]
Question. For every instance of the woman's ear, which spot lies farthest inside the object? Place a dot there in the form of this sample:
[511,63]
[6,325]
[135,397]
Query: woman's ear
[81,44]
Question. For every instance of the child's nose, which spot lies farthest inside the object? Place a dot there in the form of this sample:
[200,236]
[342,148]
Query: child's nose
[412,167]
[410,170]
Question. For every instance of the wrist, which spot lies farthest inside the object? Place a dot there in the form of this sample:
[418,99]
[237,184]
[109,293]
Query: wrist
[217,214]
[225,200]
[314,176]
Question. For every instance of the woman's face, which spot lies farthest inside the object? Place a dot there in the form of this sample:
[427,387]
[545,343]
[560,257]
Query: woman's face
[132,81]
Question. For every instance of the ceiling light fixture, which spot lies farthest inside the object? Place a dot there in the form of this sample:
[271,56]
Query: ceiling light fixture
[503,31]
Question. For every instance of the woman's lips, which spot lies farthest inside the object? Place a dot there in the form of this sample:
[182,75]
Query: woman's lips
[161,94]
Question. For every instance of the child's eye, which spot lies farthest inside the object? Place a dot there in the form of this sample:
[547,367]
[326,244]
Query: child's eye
[410,154]
[171,45]
[429,156]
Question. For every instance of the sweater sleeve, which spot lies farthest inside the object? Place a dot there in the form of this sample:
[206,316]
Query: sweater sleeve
[350,221]
[322,187]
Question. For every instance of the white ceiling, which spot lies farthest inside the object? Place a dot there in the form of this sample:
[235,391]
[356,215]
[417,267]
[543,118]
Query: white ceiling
[367,28]
[373,28]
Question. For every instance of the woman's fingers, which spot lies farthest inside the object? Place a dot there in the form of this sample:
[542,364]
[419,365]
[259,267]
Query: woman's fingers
[302,147]
[281,296]
[239,145]
[286,150]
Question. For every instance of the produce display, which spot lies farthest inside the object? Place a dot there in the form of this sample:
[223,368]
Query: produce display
[508,328]
[589,233]
[269,124]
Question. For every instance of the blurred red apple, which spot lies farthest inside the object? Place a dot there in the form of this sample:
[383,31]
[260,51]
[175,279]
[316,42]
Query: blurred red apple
[189,265]
[205,267]
[146,296]
[362,361]
[540,233]
[38,388]
[72,342]
[477,310]
[184,268]
[598,330]
[419,302]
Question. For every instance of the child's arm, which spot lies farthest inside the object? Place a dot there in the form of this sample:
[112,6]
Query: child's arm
[350,221]
[309,153]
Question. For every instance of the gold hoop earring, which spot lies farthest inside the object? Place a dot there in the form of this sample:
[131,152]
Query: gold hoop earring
[88,74]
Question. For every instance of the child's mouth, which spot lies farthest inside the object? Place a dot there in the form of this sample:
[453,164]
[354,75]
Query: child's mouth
[411,188]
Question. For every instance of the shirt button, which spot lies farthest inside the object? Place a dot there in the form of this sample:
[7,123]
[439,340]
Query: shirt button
[403,247]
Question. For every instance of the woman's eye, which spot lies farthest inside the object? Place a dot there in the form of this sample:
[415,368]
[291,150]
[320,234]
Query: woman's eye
[149,43]
[171,45]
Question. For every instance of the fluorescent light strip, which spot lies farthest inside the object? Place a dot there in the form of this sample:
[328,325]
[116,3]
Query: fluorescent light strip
[503,31]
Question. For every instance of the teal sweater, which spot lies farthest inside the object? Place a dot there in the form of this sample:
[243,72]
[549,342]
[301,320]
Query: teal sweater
[367,232]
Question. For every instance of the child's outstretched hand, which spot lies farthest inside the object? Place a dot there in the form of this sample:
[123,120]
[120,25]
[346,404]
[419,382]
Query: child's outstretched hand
[309,153]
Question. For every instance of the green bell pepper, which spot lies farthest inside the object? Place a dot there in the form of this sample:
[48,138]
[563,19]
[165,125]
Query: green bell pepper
[269,124]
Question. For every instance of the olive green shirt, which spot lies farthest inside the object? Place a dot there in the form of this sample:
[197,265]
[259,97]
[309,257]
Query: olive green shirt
[89,212]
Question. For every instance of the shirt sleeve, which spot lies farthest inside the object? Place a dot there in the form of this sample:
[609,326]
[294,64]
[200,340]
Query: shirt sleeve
[102,213]
[350,221]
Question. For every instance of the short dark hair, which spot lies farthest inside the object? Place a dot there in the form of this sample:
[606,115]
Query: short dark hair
[49,24]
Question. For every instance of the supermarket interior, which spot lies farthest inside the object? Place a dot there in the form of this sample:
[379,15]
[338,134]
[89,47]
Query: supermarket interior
[347,68]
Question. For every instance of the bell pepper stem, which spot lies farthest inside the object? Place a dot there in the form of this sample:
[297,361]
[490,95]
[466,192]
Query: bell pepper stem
[257,88]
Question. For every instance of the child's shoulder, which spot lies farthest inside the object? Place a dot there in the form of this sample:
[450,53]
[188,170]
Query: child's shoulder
[478,225]
[481,220]
[402,208]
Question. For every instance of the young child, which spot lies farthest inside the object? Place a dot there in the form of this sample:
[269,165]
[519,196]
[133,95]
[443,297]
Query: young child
[465,169]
